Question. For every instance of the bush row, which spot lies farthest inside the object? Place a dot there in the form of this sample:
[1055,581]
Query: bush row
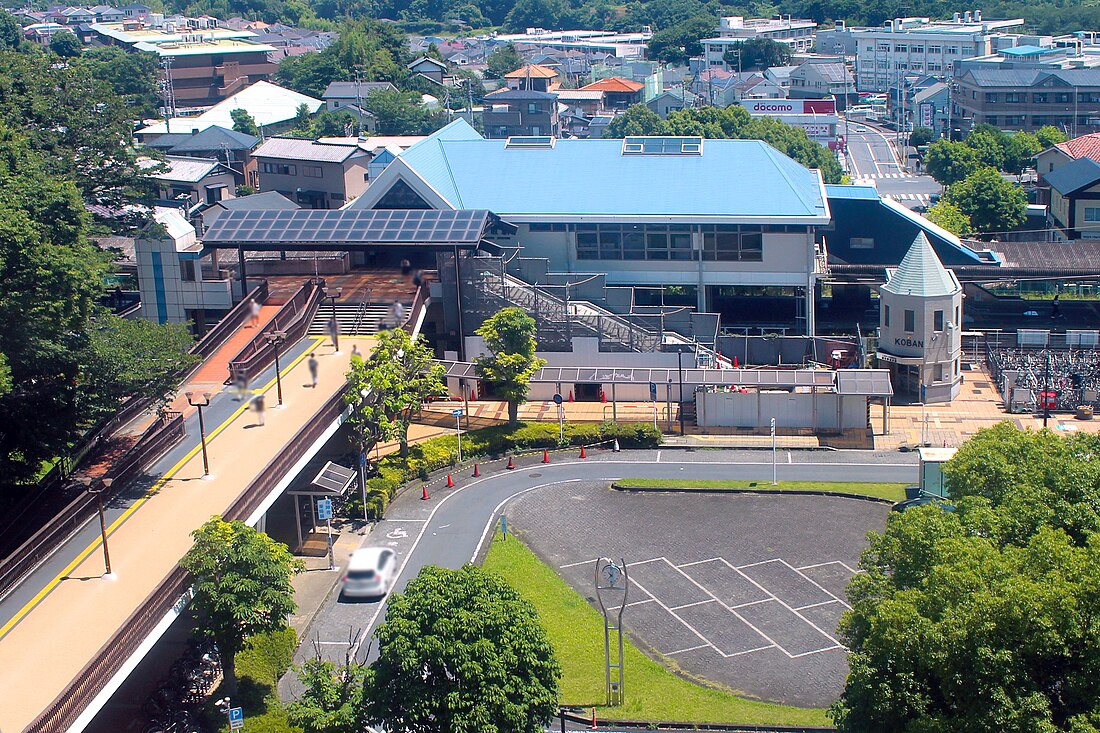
[393,471]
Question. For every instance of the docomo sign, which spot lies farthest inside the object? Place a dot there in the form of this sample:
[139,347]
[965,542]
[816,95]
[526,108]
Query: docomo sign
[789,106]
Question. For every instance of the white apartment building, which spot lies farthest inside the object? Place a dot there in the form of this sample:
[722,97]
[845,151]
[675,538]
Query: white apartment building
[920,46]
[797,33]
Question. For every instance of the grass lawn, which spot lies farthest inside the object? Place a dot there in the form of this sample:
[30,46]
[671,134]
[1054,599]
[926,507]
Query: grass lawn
[652,692]
[893,492]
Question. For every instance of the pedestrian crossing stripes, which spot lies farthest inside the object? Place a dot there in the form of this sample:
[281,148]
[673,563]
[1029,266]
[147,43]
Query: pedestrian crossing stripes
[922,198]
[880,176]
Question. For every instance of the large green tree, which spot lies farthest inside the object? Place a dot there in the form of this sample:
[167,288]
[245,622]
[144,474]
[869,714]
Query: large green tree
[1020,152]
[636,120]
[984,618]
[461,650]
[1049,136]
[992,203]
[758,54]
[11,33]
[509,334]
[950,218]
[950,162]
[402,113]
[377,51]
[131,74]
[66,45]
[678,43]
[242,586]
[333,698]
[503,60]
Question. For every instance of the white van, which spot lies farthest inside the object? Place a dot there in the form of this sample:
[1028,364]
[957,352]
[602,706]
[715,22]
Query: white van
[370,572]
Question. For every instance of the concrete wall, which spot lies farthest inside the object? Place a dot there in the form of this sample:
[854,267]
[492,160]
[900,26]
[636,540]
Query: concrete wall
[821,412]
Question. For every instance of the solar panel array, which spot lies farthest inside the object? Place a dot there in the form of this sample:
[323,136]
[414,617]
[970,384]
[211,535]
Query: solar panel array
[348,226]
[644,145]
[334,478]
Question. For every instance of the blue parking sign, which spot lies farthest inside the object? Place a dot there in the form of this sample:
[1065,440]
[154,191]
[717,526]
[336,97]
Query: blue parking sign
[236,718]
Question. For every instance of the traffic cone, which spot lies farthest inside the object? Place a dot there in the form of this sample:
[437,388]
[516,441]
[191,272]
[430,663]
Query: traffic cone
[735,365]
[473,395]
[583,453]
[424,495]
[477,471]
[450,482]
[570,395]
[616,448]
[545,456]
[511,466]
[603,396]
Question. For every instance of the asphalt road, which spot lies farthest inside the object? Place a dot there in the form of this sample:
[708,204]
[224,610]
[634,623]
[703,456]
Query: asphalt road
[451,528]
[873,160]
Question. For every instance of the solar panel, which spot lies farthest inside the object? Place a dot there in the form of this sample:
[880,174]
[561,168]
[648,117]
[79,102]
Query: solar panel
[351,226]
[334,478]
[639,145]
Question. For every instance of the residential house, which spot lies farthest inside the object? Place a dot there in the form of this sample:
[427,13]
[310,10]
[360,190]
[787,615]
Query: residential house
[780,75]
[1075,200]
[511,112]
[217,143]
[817,80]
[667,102]
[106,14]
[271,106]
[532,77]
[429,68]
[619,93]
[1064,153]
[582,102]
[191,182]
[314,174]
[932,109]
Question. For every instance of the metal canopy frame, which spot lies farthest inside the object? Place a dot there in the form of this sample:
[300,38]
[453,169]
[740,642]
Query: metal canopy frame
[865,382]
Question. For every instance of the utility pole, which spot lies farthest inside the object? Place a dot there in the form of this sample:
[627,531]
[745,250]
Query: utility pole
[169,93]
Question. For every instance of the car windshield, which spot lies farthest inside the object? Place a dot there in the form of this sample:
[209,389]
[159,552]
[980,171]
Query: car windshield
[360,574]
[383,561]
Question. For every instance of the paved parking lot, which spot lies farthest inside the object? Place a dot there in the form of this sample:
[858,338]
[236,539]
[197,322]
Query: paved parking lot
[742,590]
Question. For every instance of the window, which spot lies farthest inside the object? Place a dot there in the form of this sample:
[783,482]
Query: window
[1014,97]
[990,96]
[1092,214]
[1039,98]
[282,169]
[547,227]
[187,271]
[937,318]
[401,196]
[312,171]
[901,48]
[952,50]
[910,321]
[935,49]
[862,242]
[917,49]
[532,108]
[937,373]
[730,243]
[886,316]
[1062,98]
[956,315]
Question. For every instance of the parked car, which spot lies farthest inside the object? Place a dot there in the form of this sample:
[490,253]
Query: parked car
[370,572]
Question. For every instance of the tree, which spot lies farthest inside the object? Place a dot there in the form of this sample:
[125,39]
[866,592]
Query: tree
[1020,152]
[131,74]
[677,44]
[11,33]
[333,698]
[402,113]
[303,120]
[758,54]
[242,586]
[1049,136]
[983,618]
[921,136]
[399,376]
[503,60]
[990,145]
[509,334]
[461,650]
[950,218]
[66,45]
[992,203]
[636,120]
[244,122]
[535,14]
[950,162]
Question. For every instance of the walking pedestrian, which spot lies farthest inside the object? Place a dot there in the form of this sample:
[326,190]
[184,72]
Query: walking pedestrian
[313,368]
[355,352]
[241,382]
[334,333]
[398,313]
[254,312]
[418,278]
[406,267]
[258,406]
[1056,307]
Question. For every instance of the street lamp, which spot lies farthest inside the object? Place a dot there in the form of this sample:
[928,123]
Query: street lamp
[202,426]
[277,339]
[332,294]
[98,493]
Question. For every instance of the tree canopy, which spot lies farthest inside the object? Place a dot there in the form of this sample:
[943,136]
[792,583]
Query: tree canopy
[949,217]
[678,43]
[461,650]
[242,586]
[984,618]
[950,162]
[992,203]
[758,54]
[509,334]
[503,60]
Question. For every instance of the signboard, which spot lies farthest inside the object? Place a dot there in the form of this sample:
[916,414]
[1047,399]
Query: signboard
[456,413]
[927,114]
[653,391]
[236,718]
[789,106]
[557,399]
[817,129]
[324,509]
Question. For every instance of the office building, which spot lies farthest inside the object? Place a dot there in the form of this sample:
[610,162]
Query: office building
[733,30]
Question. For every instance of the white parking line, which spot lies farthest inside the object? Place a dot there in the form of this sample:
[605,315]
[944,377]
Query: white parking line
[815,605]
[576,564]
[689,649]
[818,585]
[698,562]
[697,603]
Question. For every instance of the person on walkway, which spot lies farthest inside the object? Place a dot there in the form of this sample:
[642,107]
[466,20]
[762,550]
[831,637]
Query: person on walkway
[258,406]
[406,267]
[355,352]
[241,382]
[398,312]
[418,278]
[313,368]
[334,333]
[254,313]
[1056,307]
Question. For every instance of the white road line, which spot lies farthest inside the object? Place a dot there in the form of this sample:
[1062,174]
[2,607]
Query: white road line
[750,651]
[821,565]
[632,603]
[753,564]
[689,649]
[698,562]
[493,515]
[387,519]
[658,456]
[575,564]
[697,603]
[646,562]
[753,603]
[824,590]
[816,605]
[676,616]
[817,651]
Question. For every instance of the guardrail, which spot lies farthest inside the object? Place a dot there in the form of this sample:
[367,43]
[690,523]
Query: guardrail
[157,440]
[234,319]
[293,317]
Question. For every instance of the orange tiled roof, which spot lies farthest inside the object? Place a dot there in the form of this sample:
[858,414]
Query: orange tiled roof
[614,84]
[531,70]
[1085,146]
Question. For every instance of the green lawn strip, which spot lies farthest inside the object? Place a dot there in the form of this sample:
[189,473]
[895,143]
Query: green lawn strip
[653,693]
[893,492]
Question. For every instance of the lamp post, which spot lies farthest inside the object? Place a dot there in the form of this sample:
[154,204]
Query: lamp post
[98,493]
[202,426]
[332,294]
[277,339]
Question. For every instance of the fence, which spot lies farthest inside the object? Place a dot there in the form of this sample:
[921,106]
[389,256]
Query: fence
[293,318]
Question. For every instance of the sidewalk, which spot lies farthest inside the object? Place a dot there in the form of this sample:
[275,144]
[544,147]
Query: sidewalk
[43,648]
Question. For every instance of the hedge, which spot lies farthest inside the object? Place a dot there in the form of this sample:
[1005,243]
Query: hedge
[264,659]
[393,471]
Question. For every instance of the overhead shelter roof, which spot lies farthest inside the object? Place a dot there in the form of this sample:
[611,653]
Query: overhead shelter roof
[268,104]
[336,230]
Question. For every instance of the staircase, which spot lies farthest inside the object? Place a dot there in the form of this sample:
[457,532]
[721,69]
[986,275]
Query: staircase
[355,319]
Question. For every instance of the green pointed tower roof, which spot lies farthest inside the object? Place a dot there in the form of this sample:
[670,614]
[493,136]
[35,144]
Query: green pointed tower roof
[921,273]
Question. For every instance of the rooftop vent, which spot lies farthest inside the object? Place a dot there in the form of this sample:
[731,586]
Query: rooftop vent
[540,142]
[663,146]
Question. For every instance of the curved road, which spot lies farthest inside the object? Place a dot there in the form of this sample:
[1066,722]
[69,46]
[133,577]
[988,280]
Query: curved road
[452,527]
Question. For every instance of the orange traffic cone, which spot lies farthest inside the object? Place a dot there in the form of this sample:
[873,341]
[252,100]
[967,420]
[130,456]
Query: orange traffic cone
[511,466]
[450,482]
[570,395]
[424,495]
[477,471]
[603,396]
[545,456]
[735,365]
[583,453]
[473,395]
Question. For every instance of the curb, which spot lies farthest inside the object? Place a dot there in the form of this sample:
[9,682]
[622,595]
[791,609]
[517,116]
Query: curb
[574,717]
[719,490]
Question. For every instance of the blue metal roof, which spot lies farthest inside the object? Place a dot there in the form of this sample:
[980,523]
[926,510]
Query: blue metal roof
[731,178]
[1081,173]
